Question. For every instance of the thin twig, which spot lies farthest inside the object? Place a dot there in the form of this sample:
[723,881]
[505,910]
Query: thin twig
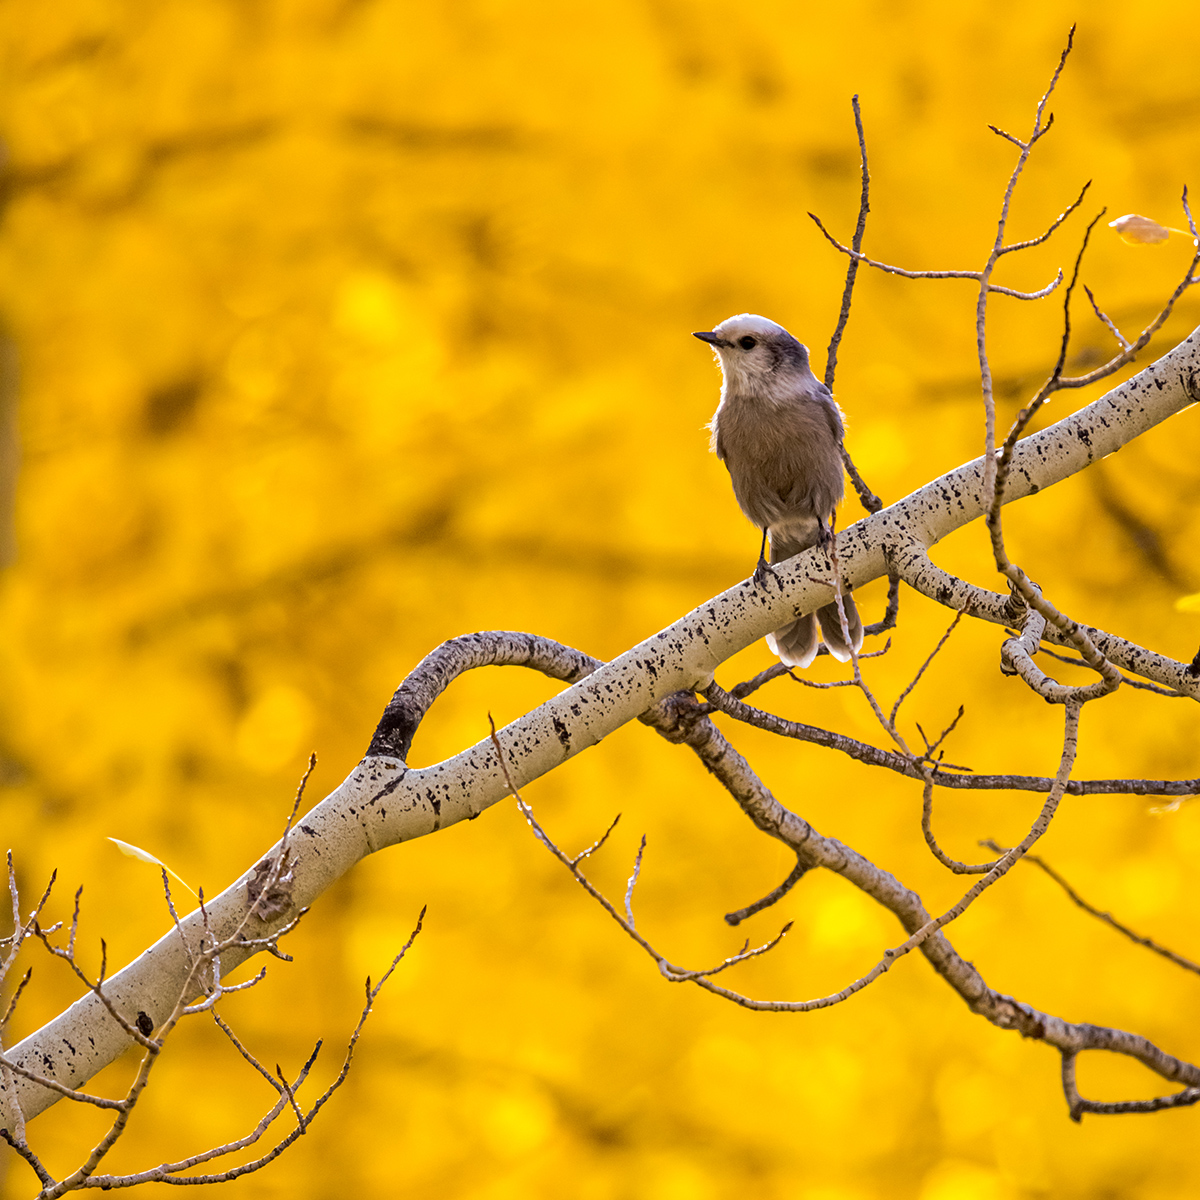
[772,897]
[863,752]
[977,276]
[12,1004]
[959,868]
[22,1148]
[1122,341]
[1039,294]
[626,921]
[1062,216]
[864,207]
[1150,944]
[930,747]
[985,369]
[1077,1105]
[633,878]
[889,726]
[677,976]
[244,1052]
[596,844]
[958,616]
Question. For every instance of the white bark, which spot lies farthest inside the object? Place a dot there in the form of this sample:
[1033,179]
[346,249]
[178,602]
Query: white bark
[383,802]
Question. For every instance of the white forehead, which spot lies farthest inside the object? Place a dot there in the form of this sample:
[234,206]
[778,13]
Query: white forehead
[733,328]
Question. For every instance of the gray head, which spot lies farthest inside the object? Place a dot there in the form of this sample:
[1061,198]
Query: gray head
[757,356]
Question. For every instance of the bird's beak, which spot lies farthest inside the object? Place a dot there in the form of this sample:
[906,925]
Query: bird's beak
[711,338]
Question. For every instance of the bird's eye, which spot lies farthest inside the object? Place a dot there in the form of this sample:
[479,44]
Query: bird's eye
[747,343]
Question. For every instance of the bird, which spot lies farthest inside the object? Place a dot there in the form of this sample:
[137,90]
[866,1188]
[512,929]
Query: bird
[779,432]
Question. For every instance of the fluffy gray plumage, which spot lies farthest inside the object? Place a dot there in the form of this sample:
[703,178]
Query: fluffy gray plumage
[779,432]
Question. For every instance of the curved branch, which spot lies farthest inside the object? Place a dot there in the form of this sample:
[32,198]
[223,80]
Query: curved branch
[858,256]
[772,897]
[1077,1105]
[1040,294]
[437,670]
[912,563]
[977,276]
[951,864]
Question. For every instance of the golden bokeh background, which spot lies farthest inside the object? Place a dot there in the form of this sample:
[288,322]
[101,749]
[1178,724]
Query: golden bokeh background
[340,327]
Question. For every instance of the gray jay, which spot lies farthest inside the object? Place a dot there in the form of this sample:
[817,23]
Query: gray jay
[779,432]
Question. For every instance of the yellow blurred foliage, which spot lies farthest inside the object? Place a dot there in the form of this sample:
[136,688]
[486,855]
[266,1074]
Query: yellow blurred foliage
[957,1180]
[270,733]
[346,326]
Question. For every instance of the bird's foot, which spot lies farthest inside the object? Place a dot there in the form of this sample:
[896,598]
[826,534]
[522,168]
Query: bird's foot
[764,571]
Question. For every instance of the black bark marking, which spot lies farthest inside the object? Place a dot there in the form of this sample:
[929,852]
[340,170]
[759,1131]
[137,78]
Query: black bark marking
[388,788]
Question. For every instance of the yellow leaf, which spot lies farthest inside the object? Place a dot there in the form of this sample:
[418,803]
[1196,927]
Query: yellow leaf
[1188,604]
[145,856]
[1139,231]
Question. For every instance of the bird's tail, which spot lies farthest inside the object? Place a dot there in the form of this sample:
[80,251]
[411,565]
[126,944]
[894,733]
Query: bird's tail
[795,645]
[831,628]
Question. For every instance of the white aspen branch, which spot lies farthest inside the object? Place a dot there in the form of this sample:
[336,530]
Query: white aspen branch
[384,802]
[912,563]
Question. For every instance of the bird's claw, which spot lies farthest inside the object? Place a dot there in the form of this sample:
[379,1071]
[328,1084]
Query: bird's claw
[764,571]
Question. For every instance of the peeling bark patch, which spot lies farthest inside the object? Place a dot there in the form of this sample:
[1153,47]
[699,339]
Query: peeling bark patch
[273,896]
